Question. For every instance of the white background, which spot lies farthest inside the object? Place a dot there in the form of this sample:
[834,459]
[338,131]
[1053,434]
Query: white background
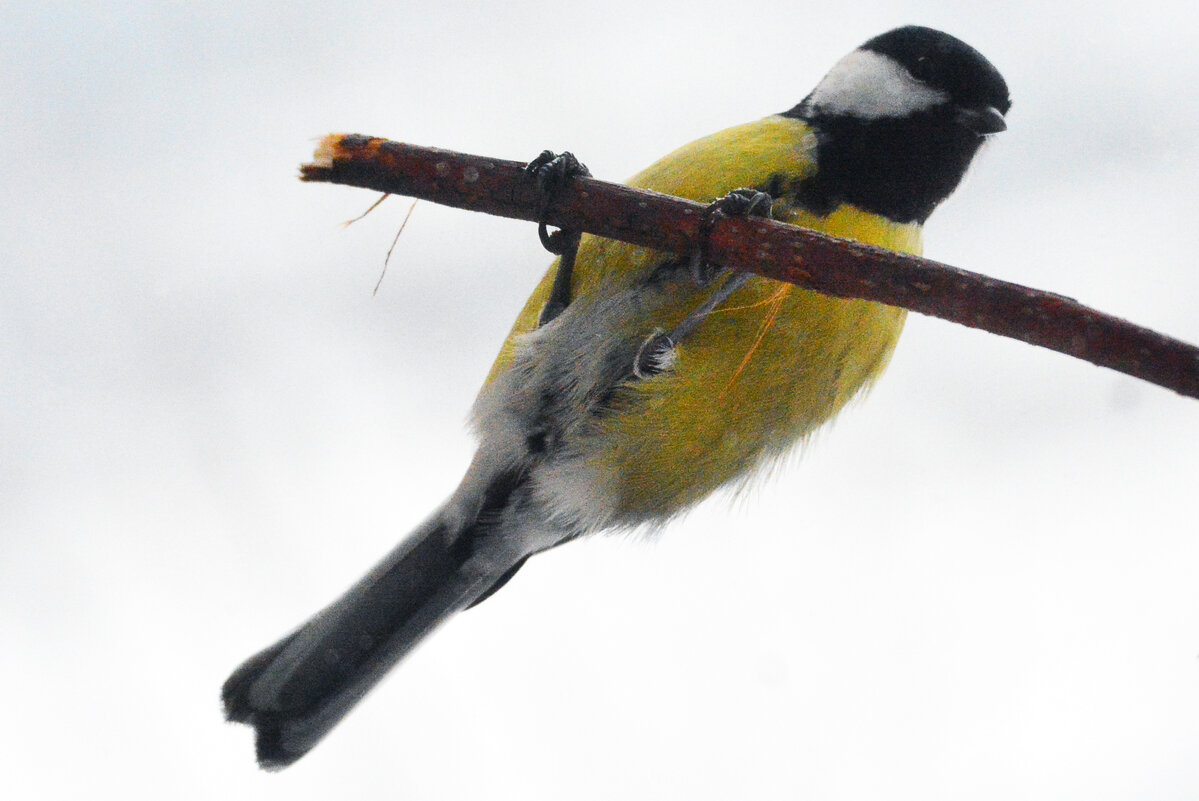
[981,583]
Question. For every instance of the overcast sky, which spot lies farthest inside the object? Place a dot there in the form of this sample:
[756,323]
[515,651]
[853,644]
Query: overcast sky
[982,582]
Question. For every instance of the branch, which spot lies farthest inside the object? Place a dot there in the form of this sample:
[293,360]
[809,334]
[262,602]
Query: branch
[783,252]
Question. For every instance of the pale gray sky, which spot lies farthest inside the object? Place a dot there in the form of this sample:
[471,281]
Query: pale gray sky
[980,583]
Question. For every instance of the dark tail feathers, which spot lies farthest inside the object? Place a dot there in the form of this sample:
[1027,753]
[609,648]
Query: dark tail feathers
[294,692]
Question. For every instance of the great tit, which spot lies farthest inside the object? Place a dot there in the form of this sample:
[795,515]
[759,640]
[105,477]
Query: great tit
[652,383]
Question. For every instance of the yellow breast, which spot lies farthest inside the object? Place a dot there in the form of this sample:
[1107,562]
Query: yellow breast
[763,371]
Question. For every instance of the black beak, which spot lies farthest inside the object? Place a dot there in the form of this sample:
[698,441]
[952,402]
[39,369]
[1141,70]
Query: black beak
[982,121]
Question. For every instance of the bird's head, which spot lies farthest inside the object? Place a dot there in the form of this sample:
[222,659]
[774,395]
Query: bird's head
[914,72]
[898,122]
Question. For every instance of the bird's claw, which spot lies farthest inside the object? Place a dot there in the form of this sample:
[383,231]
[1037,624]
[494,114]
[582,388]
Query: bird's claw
[743,202]
[553,171]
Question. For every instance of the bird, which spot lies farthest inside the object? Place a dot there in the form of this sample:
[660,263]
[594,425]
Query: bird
[635,383]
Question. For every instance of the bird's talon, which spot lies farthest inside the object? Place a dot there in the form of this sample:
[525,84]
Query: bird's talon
[550,240]
[545,157]
[743,202]
[552,172]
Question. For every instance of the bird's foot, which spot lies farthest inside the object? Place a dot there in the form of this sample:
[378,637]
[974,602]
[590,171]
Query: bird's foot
[742,202]
[554,171]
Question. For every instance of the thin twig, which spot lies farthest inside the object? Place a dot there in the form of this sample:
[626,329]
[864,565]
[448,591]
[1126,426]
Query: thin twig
[387,258]
[362,216]
[775,250]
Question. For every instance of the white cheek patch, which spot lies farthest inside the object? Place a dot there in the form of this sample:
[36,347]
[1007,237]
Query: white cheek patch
[871,86]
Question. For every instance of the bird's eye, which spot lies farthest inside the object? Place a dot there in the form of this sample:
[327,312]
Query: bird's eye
[922,69]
